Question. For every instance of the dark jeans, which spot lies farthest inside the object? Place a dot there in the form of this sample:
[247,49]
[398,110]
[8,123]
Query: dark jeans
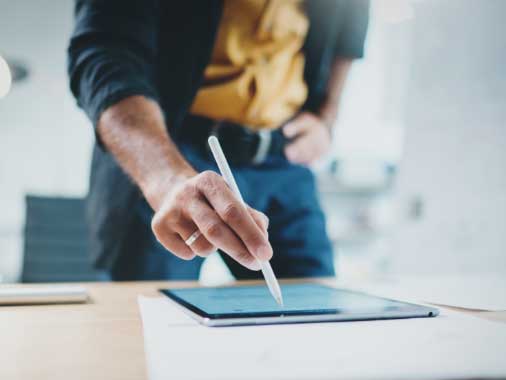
[284,192]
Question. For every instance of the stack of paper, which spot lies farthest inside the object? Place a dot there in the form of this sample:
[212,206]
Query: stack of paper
[451,346]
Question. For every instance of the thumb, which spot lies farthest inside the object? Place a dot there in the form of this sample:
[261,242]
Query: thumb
[294,127]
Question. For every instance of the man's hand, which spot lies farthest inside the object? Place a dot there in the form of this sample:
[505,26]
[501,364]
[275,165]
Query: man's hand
[311,138]
[134,131]
[204,202]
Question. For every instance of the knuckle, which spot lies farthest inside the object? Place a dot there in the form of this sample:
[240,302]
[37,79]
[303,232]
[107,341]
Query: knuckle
[231,213]
[245,258]
[260,219]
[170,214]
[207,179]
[260,215]
[179,198]
[185,193]
[194,208]
[156,224]
[191,190]
[253,240]
[213,230]
[175,217]
[184,202]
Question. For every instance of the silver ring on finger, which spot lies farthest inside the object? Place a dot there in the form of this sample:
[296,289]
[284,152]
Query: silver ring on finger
[194,236]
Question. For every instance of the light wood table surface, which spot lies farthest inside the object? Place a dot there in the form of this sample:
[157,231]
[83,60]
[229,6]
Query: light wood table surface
[98,340]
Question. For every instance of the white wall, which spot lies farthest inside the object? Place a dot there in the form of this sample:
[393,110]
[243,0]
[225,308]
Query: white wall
[44,140]
[455,148]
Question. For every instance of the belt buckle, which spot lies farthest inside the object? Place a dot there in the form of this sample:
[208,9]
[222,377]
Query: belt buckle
[264,144]
[264,141]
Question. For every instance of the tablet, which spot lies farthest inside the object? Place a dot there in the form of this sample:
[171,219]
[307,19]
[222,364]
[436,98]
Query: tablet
[250,305]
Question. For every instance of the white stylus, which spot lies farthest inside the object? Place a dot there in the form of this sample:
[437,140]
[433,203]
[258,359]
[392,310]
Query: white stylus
[225,171]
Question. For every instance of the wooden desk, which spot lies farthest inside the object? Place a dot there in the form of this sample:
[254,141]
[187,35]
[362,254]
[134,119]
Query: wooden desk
[99,340]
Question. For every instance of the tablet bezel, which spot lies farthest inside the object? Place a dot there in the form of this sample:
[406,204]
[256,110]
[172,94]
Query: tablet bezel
[408,310]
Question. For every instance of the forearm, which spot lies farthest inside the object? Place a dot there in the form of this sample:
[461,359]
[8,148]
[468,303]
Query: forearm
[339,72]
[134,131]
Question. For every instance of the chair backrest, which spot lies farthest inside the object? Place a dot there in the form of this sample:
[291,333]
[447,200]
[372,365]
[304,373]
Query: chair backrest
[56,241]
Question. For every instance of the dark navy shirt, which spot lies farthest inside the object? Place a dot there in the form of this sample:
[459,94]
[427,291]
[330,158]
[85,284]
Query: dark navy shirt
[159,49]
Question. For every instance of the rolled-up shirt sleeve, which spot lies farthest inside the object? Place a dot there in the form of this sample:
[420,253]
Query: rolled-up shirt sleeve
[112,52]
[353,31]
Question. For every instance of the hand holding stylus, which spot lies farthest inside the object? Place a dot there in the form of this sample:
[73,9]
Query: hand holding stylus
[222,163]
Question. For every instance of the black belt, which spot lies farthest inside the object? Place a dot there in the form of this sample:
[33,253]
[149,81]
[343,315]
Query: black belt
[241,145]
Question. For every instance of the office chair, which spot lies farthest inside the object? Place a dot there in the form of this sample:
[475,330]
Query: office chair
[56,241]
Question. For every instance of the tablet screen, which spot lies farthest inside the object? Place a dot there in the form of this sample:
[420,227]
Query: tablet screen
[299,299]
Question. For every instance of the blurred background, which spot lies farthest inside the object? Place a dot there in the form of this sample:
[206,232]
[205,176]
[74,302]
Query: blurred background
[415,184]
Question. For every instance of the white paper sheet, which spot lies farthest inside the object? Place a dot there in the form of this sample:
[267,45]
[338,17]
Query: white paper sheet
[479,292]
[451,346]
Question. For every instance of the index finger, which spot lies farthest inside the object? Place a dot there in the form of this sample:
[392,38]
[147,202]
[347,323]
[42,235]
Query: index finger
[235,215]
